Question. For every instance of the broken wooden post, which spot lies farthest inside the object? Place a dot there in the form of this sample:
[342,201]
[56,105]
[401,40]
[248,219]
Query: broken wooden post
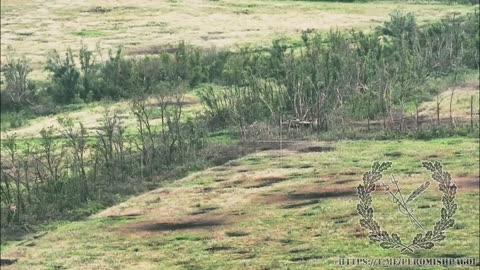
[471,112]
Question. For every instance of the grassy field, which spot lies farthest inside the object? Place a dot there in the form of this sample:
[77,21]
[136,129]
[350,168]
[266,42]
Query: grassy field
[91,115]
[33,28]
[462,97]
[291,208]
[286,206]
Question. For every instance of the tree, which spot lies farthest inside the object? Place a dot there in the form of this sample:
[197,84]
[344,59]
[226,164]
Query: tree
[87,66]
[65,76]
[19,88]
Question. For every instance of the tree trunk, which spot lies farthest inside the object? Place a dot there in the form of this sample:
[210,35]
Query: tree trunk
[416,115]
[438,111]
[451,102]
[401,116]
[471,112]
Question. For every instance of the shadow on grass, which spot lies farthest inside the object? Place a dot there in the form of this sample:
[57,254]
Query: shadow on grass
[306,258]
[317,149]
[321,195]
[6,262]
[301,204]
[175,226]
[267,181]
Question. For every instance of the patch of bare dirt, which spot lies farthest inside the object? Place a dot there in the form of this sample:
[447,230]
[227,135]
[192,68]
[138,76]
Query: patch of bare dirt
[466,184]
[128,213]
[252,182]
[357,231]
[348,172]
[341,182]
[233,183]
[468,86]
[161,226]
[266,181]
[204,210]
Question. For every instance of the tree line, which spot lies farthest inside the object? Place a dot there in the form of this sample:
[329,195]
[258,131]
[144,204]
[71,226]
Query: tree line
[325,80]
[340,73]
[337,77]
[71,172]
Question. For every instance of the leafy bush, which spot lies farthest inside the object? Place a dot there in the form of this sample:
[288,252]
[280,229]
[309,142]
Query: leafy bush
[65,77]
[341,75]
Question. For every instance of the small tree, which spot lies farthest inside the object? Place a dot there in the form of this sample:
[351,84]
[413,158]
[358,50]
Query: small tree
[65,76]
[77,141]
[87,66]
[19,88]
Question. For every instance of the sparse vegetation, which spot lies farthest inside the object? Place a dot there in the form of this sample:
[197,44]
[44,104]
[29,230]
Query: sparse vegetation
[401,91]
[51,178]
[281,225]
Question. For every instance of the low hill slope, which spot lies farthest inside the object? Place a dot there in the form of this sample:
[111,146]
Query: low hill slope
[285,208]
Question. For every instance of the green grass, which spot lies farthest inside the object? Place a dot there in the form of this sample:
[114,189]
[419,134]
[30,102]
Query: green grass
[246,225]
[15,120]
[250,229]
[224,136]
[90,33]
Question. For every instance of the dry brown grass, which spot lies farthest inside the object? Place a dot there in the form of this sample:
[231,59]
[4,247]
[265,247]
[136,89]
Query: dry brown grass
[460,102]
[34,27]
[91,117]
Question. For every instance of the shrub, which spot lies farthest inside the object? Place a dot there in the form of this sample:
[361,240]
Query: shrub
[65,77]
[19,89]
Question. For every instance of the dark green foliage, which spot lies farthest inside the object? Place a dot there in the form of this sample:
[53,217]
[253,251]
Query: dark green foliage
[65,77]
[338,76]
[400,26]
[14,119]
[120,77]
[117,77]
[88,68]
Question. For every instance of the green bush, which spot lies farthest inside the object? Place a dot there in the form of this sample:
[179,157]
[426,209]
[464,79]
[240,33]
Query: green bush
[65,77]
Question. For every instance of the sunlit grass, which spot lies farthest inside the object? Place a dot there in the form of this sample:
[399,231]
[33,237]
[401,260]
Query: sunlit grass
[268,227]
